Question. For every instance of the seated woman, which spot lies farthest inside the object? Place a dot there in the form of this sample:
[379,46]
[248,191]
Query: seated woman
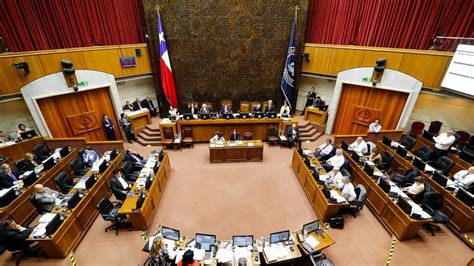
[285,110]
[21,129]
[417,187]
[375,156]
[218,137]
[28,163]
[159,254]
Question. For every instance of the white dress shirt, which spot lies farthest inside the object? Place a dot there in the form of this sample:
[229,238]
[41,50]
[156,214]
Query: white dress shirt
[360,148]
[325,149]
[375,128]
[464,178]
[122,182]
[443,141]
[285,110]
[216,138]
[349,192]
[336,178]
[416,188]
[336,160]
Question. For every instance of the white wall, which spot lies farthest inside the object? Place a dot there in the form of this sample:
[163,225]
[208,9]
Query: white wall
[131,88]
[324,88]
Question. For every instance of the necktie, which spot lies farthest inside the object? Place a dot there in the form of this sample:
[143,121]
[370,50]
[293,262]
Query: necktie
[13,177]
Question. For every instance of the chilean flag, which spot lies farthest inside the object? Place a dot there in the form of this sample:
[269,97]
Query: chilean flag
[167,81]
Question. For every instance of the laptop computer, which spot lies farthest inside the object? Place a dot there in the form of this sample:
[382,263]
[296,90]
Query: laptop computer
[278,237]
[401,151]
[344,146]
[188,116]
[440,179]
[310,227]
[387,141]
[418,163]
[206,242]
[170,233]
[242,240]
[404,205]
[259,115]
[28,134]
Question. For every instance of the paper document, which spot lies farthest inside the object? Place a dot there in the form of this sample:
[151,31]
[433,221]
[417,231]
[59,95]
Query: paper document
[337,197]
[250,144]
[370,163]
[323,177]
[428,168]
[275,251]
[378,173]
[141,182]
[451,184]
[313,242]
[4,191]
[232,144]
[224,255]
[199,253]
[307,152]
[241,252]
[282,138]
[80,185]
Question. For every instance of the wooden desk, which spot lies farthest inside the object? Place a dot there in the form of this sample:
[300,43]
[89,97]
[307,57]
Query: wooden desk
[21,209]
[203,130]
[16,151]
[392,217]
[325,241]
[321,205]
[292,255]
[141,219]
[236,152]
[316,116]
[139,119]
[79,219]
[463,215]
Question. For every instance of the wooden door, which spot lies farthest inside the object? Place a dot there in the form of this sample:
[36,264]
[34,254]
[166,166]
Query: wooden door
[359,106]
[79,114]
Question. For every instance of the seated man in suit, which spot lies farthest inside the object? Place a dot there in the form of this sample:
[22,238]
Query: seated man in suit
[293,135]
[257,108]
[359,146]
[324,150]
[318,102]
[465,178]
[218,137]
[225,110]
[148,104]
[134,157]
[375,126]
[14,235]
[137,105]
[285,110]
[119,186]
[204,109]
[235,135]
[90,156]
[192,109]
[45,197]
[28,163]
[128,106]
[270,107]
[337,160]
[8,178]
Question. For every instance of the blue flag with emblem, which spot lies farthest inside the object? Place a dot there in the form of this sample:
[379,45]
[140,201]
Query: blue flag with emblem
[287,83]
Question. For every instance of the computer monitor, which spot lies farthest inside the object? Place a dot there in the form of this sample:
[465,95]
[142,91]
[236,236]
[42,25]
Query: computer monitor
[204,116]
[188,116]
[170,233]
[115,152]
[404,205]
[140,200]
[279,237]
[384,185]
[65,151]
[103,166]
[205,241]
[344,146]
[228,116]
[91,181]
[440,179]
[387,141]
[172,118]
[53,225]
[244,115]
[28,134]
[401,151]
[161,155]
[259,115]
[271,114]
[30,179]
[73,200]
[310,227]
[243,240]
[48,163]
[213,115]
[466,197]
[326,191]
[355,156]
[418,163]
[149,180]
[8,197]
[307,162]
[427,135]
[368,169]
[466,156]
[316,176]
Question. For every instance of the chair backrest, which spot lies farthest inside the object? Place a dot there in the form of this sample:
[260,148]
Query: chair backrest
[248,136]
[464,137]
[272,131]
[41,150]
[168,133]
[457,137]
[426,187]
[105,207]
[187,132]
[346,172]
[127,168]
[244,107]
[408,142]
[76,164]
[228,102]
[444,164]
[433,199]
[417,127]
[369,148]
[64,181]
[21,165]
[361,197]
[387,157]
[467,155]
[435,126]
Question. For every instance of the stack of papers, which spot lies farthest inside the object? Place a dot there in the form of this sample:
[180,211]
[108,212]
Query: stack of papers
[240,252]
[451,184]
[313,242]
[40,229]
[224,255]
[337,197]
[275,251]
[81,184]
[378,173]
[415,208]
[428,168]
[4,191]
[323,177]
[232,144]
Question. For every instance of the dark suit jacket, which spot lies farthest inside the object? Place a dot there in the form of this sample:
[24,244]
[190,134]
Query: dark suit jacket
[289,133]
[269,108]
[25,165]
[109,126]
[6,181]
[194,112]
[117,189]
[136,107]
[129,158]
[235,136]
[223,111]
[128,107]
[148,104]
[14,239]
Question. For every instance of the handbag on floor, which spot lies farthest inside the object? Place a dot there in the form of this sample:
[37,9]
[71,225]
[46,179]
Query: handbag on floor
[337,222]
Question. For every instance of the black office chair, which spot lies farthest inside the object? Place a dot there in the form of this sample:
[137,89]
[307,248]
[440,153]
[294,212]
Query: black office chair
[435,126]
[20,248]
[80,152]
[419,198]
[387,159]
[408,142]
[432,203]
[39,208]
[129,171]
[368,149]
[358,204]
[457,138]
[442,165]
[64,181]
[22,166]
[42,151]
[424,153]
[109,212]
[319,259]
[467,155]
[403,177]
[77,166]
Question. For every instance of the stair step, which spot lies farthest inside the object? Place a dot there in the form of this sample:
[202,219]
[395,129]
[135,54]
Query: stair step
[148,132]
[312,138]
[147,142]
[309,133]
[153,127]
[303,123]
[149,138]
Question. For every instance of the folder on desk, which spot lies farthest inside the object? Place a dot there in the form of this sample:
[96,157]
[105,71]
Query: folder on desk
[313,242]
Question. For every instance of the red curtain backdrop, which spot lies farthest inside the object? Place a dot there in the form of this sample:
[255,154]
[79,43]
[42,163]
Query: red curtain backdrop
[412,24]
[52,24]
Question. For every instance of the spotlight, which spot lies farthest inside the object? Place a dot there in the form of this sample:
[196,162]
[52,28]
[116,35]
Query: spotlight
[378,71]
[24,66]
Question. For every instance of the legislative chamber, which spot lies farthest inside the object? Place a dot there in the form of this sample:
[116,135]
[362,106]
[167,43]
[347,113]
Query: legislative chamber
[315,132]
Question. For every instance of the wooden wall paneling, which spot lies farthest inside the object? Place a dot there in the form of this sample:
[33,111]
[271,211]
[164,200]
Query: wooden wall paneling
[143,62]
[393,59]
[429,69]
[12,79]
[52,61]
[391,104]
[319,59]
[343,59]
[107,60]
[351,97]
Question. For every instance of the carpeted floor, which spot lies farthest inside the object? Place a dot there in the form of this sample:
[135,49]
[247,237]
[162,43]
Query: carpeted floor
[253,198]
